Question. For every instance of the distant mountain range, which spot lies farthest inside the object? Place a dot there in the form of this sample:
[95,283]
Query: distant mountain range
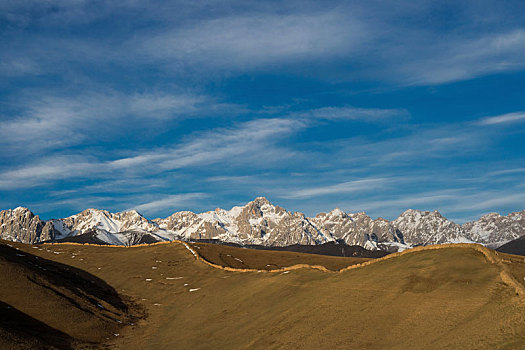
[261,223]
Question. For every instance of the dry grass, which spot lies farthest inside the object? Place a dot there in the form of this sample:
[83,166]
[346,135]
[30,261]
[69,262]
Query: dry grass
[455,297]
[46,304]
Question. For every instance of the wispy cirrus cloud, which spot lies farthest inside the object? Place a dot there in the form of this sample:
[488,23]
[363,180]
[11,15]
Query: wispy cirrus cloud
[370,115]
[507,171]
[241,143]
[337,41]
[236,145]
[345,187]
[463,203]
[246,41]
[168,204]
[258,144]
[50,169]
[394,205]
[461,58]
[342,41]
[49,121]
[54,123]
[502,119]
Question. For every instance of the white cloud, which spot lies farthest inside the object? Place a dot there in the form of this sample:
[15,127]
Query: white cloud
[241,179]
[407,145]
[58,121]
[344,44]
[50,169]
[172,202]
[337,42]
[502,119]
[507,171]
[250,144]
[438,61]
[353,113]
[249,40]
[392,206]
[490,200]
[255,144]
[465,203]
[345,187]
[253,140]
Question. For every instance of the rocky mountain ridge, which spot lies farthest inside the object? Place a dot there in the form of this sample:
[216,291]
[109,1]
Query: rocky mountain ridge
[261,223]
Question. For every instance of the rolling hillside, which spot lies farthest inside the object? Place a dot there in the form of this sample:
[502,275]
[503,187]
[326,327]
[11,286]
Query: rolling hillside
[457,296]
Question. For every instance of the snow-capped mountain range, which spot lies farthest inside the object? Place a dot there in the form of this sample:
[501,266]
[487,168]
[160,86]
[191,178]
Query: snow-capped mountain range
[261,223]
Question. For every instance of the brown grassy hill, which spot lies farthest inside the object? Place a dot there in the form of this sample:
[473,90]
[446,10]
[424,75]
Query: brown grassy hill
[457,297]
[45,304]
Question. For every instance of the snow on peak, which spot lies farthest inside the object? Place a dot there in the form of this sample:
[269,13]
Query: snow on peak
[410,212]
[21,211]
[131,212]
[17,209]
[337,212]
[262,200]
[490,216]
[235,211]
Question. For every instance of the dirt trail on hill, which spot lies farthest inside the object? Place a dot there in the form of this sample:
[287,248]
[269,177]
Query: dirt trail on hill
[492,256]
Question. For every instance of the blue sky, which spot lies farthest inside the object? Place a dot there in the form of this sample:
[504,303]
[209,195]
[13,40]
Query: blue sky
[373,106]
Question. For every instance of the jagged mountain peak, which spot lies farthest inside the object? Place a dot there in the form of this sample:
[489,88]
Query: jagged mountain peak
[178,214]
[132,212]
[380,219]
[336,212]
[103,213]
[20,212]
[261,222]
[21,225]
[489,216]
[360,214]
[519,215]
[92,211]
[21,209]
[259,207]
[333,214]
[261,201]
[494,229]
[415,213]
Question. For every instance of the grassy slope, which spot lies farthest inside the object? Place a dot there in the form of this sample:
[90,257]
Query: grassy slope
[445,298]
[45,304]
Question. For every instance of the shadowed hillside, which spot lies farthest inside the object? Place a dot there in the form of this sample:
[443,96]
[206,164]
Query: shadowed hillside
[243,258]
[329,248]
[49,304]
[446,297]
[516,246]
